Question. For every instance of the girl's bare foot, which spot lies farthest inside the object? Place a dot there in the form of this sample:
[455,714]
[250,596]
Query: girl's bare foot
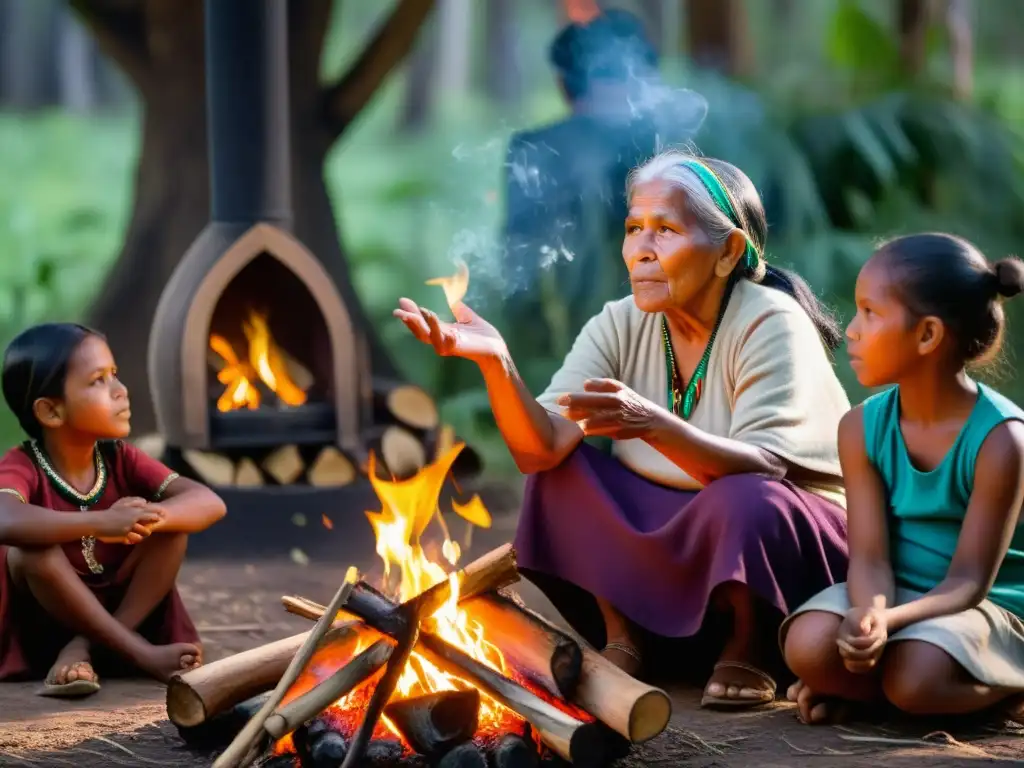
[165,661]
[813,710]
[74,662]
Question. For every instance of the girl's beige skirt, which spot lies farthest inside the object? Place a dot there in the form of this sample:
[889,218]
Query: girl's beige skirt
[987,641]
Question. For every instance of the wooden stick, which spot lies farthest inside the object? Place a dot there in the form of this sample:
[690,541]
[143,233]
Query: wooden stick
[240,749]
[578,742]
[492,571]
[544,653]
[581,743]
[357,671]
[633,709]
[381,694]
[434,723]
[205,692]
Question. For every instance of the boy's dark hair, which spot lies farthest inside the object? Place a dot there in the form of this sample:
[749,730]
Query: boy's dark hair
[36,365]
[947,277]
[613,46]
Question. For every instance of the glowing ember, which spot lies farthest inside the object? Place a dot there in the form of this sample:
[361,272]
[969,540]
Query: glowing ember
[265,363]
[454,287]
[408,508]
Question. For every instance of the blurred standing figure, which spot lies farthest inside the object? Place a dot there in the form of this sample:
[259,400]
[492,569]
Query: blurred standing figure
[565,182]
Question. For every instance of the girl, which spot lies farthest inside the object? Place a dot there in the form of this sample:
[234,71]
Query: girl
[929,617]
[77,588]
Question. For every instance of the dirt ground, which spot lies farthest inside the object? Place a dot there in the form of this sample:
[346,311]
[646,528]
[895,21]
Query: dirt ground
[237,605]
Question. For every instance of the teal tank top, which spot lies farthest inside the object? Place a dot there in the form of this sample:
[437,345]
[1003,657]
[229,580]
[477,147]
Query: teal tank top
[927,509]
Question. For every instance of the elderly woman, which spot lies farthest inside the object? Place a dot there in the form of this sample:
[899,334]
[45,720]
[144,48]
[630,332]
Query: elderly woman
[720,507]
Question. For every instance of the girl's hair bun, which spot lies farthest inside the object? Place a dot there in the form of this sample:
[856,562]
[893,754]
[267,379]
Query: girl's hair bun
[1009,276]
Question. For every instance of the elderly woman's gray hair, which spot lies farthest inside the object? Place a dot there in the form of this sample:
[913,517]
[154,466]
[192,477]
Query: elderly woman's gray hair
[671,167]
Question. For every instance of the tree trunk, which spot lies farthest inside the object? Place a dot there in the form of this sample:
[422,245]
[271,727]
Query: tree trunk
[28,75]
[76,73]
[455,24]
[717,36]
[420,74]
[653,13]
[961,38]
[171,203]
[913,20]
[502,70]
[165,60]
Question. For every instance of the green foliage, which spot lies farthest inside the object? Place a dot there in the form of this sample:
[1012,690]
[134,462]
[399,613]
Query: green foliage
[851,154]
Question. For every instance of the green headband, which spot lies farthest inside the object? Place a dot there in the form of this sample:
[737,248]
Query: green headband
[720,195]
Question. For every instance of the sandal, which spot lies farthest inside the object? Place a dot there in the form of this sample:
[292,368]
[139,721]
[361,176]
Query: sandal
[629,651]
[73,689]
[764,695]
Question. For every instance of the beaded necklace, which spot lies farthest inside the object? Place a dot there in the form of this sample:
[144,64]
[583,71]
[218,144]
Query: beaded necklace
[687,400]
[71,494]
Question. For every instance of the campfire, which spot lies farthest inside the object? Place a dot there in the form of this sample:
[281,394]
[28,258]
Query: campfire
[265,369]
[436,665]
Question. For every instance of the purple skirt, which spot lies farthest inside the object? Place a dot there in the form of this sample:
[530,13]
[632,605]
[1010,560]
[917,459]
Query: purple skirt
[591,527]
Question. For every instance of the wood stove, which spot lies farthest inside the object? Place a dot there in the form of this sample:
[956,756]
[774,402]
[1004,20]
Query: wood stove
[261,384]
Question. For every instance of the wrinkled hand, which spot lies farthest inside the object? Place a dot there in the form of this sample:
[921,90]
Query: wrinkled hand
[470,336]
[128,521]
[862,638]
[609,408]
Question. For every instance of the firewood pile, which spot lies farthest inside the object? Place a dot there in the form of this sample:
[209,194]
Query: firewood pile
[564,702]
[407,435]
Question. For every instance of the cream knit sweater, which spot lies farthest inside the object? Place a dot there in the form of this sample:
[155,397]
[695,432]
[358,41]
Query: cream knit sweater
[770,383]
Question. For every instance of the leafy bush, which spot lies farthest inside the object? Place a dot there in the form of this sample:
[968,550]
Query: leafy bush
[850,157]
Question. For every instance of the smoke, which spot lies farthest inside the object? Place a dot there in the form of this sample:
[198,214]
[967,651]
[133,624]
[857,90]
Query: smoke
[554,199]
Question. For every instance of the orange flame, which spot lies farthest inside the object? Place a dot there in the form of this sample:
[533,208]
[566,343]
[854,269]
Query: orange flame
[456,285]
[265,363]
[408,508]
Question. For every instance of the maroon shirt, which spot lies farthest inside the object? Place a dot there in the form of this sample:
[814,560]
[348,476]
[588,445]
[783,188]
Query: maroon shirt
[130,472]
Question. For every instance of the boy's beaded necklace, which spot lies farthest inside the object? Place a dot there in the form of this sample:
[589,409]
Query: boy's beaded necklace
[74,496]
[680,402]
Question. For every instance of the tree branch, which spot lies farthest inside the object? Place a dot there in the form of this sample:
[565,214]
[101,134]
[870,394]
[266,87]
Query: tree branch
[120,31]
[344,100]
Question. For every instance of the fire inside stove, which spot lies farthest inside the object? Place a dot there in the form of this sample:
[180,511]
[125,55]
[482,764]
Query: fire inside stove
[408,508]
[264,371]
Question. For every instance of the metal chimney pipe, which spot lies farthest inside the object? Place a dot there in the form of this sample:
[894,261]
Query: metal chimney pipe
[247,111]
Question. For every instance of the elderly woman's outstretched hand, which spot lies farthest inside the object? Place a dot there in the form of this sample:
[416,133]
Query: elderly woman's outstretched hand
[470,336]
[609,408]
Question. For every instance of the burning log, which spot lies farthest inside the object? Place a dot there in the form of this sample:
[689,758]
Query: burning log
[539,649]
[489,572]
[493,570]
[242,750]
[384,690]
[309,705]
[576,741]
[580,743]
[207,691]
[436,723]
[464,756]
[513,752]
